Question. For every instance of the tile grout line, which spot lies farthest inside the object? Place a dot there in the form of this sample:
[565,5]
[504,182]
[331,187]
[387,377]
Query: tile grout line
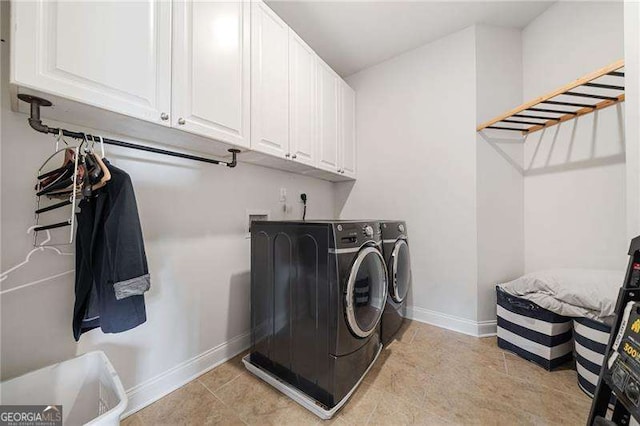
[371,413]
[226,384]
[413,336]
[527,381]
[221,401]
[134,415]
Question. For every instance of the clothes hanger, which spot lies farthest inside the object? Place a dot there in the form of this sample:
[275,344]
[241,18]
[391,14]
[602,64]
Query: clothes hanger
[101,146]
[68,164]
[86,190]
[60,173]
[56,186]
[83,171]
[94,170]
[67,158]
[106,174]
[60,138]
[4,275]
[98,173]
[78,174]
[74,180]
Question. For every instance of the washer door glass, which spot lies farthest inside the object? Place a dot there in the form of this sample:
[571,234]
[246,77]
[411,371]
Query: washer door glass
[366,292]
[400,268]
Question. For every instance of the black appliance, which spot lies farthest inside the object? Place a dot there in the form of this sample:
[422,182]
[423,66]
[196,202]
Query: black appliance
[395,247]
[318,290]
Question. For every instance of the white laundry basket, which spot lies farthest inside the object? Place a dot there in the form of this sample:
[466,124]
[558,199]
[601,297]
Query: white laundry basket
[87,387]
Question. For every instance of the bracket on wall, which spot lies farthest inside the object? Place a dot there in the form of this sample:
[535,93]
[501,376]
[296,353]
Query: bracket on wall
[608,95]
[36,123]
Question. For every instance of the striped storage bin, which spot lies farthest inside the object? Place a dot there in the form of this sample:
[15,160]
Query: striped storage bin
[591,339]
[534,333]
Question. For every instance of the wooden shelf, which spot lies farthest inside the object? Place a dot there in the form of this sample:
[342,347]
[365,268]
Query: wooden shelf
[600,89]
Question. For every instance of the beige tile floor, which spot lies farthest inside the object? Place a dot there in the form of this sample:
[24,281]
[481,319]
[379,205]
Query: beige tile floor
[429,376]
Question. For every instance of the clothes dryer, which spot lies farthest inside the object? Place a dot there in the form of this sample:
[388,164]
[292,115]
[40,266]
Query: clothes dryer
[395,246]
[318,290]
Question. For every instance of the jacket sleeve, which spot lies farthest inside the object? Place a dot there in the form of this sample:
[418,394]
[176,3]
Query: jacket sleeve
[125,245]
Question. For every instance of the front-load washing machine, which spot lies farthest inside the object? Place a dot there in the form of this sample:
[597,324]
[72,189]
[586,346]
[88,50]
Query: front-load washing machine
[395,246]
[318,290]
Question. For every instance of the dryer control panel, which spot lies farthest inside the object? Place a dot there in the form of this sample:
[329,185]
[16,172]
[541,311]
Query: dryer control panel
[392,230]
[354,234]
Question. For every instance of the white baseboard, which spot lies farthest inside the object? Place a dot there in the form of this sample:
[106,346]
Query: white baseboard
[450,322]
[153,389]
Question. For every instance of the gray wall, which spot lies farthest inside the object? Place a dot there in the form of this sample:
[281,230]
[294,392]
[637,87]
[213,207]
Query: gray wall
[417,160]
[500,188]
[575,198]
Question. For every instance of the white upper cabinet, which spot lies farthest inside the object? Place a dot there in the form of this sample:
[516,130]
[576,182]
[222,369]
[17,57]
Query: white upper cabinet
[347,131]
[113,55]
[269,82]
[211,70]
[328,120]
[302,100]
[229,71]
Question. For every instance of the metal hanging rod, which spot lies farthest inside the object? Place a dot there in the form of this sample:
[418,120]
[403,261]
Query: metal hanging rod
[604,86]
[552,111]
[568,104]
[537,117]
[506,128]
[520,122]
[590,95]
[36,123]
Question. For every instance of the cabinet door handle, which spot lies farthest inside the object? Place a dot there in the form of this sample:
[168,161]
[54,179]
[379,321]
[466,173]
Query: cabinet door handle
[294,156]
[164,116]
[287,155]
[181,121]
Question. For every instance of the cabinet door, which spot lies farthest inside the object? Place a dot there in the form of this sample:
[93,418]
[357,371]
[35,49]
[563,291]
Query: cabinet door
[302,100]
[113,55]
[328,95]
[347,130]
[211,70]
[269,82]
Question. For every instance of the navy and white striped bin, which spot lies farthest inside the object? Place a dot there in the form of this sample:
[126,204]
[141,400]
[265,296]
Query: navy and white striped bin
[532,332]
[591,339]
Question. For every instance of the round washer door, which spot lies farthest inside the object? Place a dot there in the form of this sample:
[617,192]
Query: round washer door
[366,292]
[399,271]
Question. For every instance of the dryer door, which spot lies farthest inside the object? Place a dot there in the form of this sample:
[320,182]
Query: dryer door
[366,292]
[399,271]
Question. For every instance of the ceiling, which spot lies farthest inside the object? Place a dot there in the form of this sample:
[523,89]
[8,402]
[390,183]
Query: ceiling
[353,35]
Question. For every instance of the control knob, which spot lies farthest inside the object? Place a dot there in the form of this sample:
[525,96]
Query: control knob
[633,392]
[401,227]
[368,231]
